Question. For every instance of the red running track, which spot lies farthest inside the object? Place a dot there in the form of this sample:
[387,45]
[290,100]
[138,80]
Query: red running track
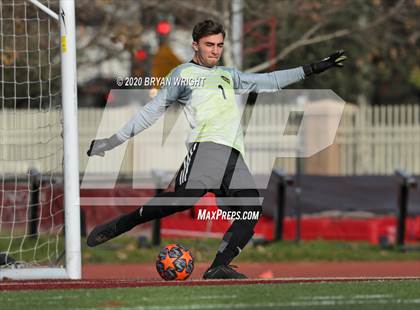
[267,270]
[138,275]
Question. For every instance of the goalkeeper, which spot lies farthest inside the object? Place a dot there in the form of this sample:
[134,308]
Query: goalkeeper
[214,162]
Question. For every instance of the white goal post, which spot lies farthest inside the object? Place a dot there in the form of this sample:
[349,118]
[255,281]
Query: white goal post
[37,62]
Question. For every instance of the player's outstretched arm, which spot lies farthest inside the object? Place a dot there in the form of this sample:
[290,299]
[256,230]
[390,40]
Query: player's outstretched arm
[142,119]
[100,146]
[276,80]
[334,60]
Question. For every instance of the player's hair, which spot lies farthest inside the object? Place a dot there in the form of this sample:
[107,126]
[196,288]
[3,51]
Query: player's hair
[206,28]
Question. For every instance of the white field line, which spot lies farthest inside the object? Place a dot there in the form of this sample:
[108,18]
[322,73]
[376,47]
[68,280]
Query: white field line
[340,297]
[48,299]
[213,297]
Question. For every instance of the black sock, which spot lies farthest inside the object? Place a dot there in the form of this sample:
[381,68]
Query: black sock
[145,214]
[153,211]
[128,221]
[224,258]
[234,240]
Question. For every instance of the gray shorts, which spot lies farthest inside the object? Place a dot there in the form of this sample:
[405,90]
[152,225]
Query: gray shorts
[214,167]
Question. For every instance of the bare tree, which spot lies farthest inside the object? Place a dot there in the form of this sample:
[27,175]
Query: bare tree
[318,32]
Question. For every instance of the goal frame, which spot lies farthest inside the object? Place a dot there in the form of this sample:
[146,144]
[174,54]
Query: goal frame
[73,265]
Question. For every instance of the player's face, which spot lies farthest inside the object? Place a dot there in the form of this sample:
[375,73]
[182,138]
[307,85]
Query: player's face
[208,50]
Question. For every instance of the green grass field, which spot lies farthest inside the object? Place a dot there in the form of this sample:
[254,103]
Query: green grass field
[125,250]
[349,295]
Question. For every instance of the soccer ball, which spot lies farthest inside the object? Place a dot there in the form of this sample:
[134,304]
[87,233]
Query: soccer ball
[175,262]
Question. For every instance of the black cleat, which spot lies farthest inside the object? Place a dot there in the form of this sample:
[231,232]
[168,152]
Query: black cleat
[103,233]
[223,272]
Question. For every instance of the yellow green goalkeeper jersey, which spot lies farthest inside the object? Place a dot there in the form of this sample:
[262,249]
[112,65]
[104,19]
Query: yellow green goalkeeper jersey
[208,97]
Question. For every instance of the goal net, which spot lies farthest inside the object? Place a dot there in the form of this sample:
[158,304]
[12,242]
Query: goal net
[35,232]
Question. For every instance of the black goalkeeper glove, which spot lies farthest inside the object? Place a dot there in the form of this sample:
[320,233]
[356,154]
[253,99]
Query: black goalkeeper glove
[100,146]
[334,60]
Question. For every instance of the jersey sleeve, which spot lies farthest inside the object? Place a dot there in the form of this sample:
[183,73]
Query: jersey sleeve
[151,112]
[265,82]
